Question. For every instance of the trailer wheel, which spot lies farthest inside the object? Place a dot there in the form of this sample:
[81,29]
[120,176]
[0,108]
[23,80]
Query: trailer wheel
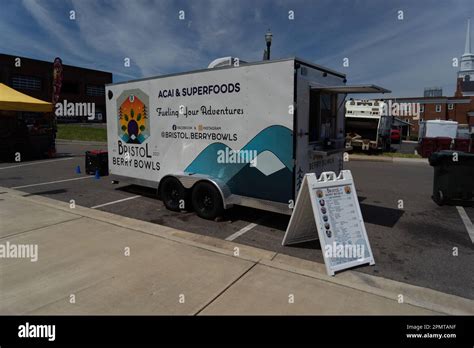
[207,201]
[439,197]
[173,194]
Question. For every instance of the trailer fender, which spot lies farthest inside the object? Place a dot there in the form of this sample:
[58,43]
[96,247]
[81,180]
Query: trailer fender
[190,180]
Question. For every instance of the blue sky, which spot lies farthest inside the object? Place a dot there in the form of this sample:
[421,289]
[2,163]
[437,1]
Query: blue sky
[405,56]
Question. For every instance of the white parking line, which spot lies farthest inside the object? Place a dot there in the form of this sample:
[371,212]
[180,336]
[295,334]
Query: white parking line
[242,231]
[38,162]
[118,201]
[53,182]
[467,222]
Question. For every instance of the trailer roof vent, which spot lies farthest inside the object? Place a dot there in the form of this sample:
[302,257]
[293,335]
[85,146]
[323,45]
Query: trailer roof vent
[225,61]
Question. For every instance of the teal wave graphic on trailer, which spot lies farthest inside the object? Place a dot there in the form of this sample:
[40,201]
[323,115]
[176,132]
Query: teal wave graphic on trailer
[274,165]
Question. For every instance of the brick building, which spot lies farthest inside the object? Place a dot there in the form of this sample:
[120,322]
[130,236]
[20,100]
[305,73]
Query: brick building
[459,107]
[35,78]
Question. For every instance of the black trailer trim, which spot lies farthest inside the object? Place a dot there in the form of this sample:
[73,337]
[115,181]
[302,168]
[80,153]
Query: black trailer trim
[295,128]
[346,89]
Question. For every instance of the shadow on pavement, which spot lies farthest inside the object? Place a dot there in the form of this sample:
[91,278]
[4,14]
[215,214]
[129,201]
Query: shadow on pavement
[382,216]
[139,190]
[50,192]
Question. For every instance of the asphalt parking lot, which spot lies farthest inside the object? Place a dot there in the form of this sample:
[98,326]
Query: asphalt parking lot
[405,147]
[413,244]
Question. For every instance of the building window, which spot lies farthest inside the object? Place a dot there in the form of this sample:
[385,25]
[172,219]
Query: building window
[26,82]
[450,106]
[438,107]
[422,108]
[95,90]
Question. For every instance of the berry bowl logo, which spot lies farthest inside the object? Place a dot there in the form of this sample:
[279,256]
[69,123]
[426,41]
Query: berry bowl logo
[133,122]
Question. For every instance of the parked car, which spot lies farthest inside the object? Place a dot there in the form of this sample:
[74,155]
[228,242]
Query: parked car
[395,136]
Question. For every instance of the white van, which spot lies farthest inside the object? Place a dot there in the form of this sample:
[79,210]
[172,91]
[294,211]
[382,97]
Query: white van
[243,134]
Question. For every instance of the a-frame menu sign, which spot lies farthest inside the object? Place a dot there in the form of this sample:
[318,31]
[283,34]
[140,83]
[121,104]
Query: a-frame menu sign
[328,209]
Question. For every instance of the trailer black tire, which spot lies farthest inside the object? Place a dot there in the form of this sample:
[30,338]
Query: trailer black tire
[172,193]
[207,201]
[439,197]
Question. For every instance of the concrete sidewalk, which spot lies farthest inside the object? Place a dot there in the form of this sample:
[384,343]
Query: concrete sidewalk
[83,268]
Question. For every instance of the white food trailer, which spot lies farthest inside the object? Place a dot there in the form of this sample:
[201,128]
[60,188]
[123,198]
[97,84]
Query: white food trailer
[242,134]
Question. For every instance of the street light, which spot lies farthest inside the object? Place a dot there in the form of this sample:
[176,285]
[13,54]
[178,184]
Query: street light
[268,40]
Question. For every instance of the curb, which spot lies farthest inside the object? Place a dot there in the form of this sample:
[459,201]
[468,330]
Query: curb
[436,301]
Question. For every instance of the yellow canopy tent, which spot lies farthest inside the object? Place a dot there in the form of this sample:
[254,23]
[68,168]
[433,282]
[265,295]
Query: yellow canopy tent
[13,100]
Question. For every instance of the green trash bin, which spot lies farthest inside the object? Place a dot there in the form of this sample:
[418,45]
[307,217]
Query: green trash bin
[453,180]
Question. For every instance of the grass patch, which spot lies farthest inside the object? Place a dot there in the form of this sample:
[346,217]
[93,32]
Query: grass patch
[81,132]
[400,155]
[387,154]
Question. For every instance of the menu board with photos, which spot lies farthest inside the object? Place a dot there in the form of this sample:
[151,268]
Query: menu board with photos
[328,209]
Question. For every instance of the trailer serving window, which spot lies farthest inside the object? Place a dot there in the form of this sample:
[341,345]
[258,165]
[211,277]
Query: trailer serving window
[324,108]
[322,115]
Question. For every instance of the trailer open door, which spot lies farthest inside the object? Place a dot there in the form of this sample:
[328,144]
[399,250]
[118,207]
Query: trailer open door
[320,134]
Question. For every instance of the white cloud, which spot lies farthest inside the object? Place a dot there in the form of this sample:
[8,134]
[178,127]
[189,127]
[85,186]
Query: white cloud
[405,56]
